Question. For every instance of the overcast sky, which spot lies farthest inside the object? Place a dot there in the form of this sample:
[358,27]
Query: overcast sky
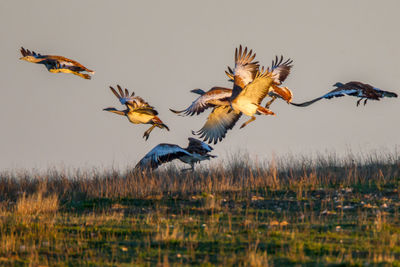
[163,49]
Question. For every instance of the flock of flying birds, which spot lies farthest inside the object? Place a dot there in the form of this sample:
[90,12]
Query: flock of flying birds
[251,84]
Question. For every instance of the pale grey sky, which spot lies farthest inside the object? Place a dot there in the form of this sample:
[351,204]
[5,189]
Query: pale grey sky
[163,49]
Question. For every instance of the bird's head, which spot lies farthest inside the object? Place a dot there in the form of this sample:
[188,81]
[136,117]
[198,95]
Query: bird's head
[114,110]
[29,58]
[338,84]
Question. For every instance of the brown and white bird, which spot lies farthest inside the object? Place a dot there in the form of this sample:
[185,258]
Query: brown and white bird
[358,89]
[195,152]
[252,85]
[137,110]
[246,73]
[218,99]
[56,64]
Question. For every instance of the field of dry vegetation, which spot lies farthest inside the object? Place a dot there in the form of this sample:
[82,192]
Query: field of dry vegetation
[290,211]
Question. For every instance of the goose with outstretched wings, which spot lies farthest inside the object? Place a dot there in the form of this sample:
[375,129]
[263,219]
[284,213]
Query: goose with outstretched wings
[137,110]
[252,85]
[56,64]
[195,152]
[357,89]
[224,116]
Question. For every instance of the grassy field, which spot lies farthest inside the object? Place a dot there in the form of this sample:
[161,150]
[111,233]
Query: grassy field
[291,211]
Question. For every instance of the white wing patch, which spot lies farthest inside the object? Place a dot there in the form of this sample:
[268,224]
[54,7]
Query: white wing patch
[246,75]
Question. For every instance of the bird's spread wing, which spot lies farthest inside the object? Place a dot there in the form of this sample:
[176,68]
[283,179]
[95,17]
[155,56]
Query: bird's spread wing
[221,119]
[146,110]
[205,101]
[340,92]
[160,154]
[131,101]
[364,89]
[280,69]
[245,69]
[258,89]
[197,146]
[27,52]
[64,62]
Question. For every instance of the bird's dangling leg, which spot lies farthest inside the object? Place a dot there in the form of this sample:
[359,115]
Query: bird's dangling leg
[247,122]
[358,102]
[147,133]
[365,101]
[270,102]
[189,169]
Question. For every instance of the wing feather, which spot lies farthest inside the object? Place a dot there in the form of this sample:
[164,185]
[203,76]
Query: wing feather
[280,69]
[197,146]
[160,154]
[211,98]
[245,69]
[258,89]
[132,102]
[221,119]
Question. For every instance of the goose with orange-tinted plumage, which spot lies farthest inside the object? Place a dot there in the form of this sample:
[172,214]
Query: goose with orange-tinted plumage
[224,116]
[137,110]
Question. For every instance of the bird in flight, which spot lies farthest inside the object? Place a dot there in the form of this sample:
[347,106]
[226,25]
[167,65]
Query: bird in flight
[252,84]
[358,89]
[162,153]
[246,74]
[56,64]
[137,110]
[218,99]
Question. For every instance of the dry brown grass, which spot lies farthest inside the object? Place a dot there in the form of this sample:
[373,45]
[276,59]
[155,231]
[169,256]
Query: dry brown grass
[237,175]
[37,204]
[46,215]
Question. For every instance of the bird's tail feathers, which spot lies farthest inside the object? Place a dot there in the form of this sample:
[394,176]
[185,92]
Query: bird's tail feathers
[156,120]
[389,94]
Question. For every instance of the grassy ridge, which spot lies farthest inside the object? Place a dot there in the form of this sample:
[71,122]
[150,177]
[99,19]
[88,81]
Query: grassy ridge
[289,211]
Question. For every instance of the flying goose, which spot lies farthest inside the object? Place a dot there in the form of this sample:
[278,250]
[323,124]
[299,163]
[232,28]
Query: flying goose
[137,110]
[357,89]
[280,70]
[162,153]
[246,74]
[252,85]
[56,64]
